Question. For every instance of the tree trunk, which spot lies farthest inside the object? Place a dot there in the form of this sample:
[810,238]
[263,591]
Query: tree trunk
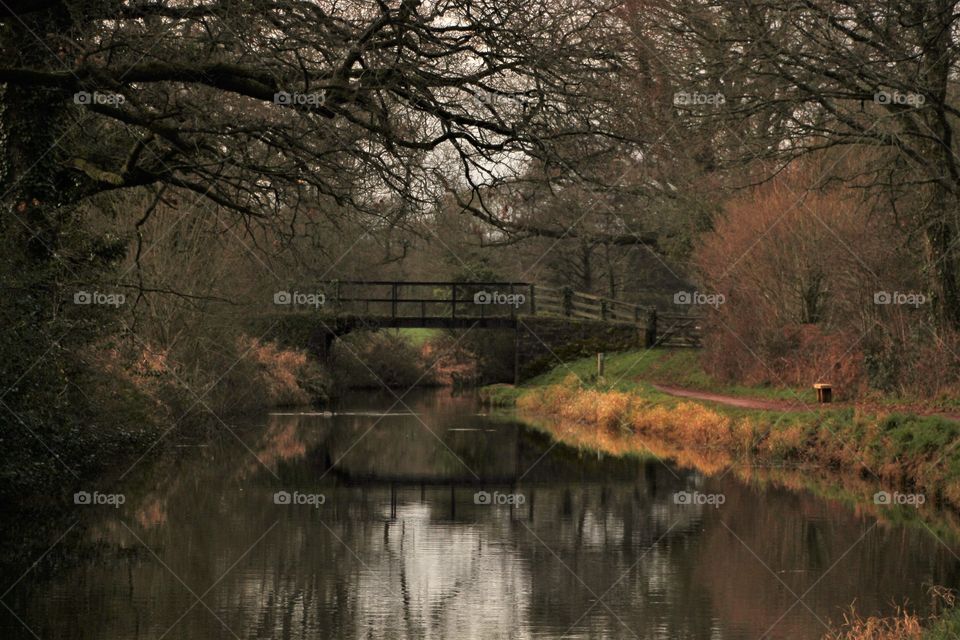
[942,265]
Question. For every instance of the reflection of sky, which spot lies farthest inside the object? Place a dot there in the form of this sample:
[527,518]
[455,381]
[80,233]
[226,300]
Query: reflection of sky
[600,529]
[438,580]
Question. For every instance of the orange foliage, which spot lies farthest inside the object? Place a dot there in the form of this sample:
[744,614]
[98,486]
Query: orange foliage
[276,375]
[799,265]
[902,626]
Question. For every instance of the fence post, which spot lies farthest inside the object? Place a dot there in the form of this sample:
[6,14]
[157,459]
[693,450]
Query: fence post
[533,301]
[453,301]
[651,332]
[567,301]
[603,309]
[393,300]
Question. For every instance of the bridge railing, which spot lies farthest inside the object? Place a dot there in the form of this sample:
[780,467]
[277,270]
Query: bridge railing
[480,300]
[395,299]
[574,304]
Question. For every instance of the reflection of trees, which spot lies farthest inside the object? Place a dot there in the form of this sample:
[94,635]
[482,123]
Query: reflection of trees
[801,537]
[404,447]
[401,447]
[483,575]
[487,573]
[283,438]
[605,534]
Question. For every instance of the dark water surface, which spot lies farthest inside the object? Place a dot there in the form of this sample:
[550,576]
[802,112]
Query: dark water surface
[399,548]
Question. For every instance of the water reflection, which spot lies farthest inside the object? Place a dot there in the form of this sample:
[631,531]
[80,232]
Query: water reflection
[400,549]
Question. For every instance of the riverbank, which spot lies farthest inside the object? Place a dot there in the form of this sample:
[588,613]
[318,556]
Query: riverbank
[137,398]
[662,403]
[636,407]
[905,625]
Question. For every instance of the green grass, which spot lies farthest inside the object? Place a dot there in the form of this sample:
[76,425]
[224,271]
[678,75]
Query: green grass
[946,628]
[682,368]
[500,395]
[627,370]
[418,337]
[634,371]
[919,434]
[903,434]
[637,371]
[918,449]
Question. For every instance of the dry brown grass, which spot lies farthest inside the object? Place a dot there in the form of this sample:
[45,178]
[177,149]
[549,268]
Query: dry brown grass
[244,374]
[786,443]
[902,626]
[696,435]
[618,423]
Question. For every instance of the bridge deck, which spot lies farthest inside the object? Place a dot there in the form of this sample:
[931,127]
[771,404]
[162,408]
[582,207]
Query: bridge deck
[434,322]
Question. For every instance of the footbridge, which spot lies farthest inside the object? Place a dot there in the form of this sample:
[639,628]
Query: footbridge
[550,322]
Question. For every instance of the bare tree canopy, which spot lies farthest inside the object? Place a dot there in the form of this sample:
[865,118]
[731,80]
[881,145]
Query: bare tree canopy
[876,80]
[259,105]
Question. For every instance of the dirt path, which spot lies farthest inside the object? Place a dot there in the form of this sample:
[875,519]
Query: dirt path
[779,405]
[736,401]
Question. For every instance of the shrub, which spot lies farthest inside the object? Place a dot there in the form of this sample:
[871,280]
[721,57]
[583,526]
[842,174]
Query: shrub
[800,266]
[263,374]
[903,625]
[243,374]
[375,359]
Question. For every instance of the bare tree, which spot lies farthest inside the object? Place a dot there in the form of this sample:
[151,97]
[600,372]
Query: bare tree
[278,111]
[876,78]
[260,105]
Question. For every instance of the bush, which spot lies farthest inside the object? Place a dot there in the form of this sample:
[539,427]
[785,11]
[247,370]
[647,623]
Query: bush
[365,359]
[475,356]
[242,374]
[904,624]
[799,267]
[267,375]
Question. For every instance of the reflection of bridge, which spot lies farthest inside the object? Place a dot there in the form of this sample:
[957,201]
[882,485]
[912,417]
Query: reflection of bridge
[386,303]
[456,450]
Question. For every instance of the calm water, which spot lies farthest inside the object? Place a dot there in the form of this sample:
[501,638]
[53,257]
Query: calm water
[590,548]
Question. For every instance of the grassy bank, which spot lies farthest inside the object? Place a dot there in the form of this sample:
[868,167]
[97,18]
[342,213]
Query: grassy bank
[624,411]
[946,628]
[845,453]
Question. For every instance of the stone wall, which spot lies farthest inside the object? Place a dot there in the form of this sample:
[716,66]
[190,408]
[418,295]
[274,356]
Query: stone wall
[543,343]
